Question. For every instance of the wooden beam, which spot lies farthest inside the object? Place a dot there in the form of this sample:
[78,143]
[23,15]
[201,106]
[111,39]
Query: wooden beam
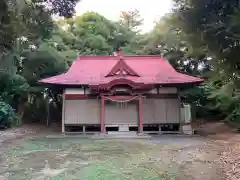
[63,112]
[140,114]
[169,96]
[102,114]
[75,96]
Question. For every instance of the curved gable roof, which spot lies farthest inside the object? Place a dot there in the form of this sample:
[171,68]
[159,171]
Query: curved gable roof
[95,70]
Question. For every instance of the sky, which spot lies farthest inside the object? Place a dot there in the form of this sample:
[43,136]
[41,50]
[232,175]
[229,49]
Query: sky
[150,10]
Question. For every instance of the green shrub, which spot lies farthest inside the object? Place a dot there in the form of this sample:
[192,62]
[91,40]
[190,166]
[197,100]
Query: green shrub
[7,115]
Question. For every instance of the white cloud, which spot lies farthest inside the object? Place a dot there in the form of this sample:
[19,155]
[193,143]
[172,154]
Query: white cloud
[150,10]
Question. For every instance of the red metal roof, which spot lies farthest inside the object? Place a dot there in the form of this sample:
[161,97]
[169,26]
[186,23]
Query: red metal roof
[94,70]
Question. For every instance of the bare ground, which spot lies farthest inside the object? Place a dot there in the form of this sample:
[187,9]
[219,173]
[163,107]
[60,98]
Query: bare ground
[26,154]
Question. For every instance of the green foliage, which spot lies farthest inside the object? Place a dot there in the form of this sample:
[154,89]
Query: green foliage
[29,19]
[226,98]
[197,38]
[28,50]
[22,19]
[7,115]
[41,63]
[131,20]
[214,26]
[93,34]
[13,88]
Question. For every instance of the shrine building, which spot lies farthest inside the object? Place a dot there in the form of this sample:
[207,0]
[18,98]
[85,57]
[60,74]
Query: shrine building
[122,93]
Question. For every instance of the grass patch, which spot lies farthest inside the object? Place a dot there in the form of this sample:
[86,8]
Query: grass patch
[72,159]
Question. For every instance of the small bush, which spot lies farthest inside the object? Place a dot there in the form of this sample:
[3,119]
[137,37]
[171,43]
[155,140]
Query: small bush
[7,115]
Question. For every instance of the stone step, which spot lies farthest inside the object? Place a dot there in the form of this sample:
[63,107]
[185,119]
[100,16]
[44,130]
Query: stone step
[122,132]
[121,136]
[187,129]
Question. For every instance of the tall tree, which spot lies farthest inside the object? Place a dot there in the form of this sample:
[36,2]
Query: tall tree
[215,24]
[31,19]
[131,19]
[93,34]
[24,25]
[168,40]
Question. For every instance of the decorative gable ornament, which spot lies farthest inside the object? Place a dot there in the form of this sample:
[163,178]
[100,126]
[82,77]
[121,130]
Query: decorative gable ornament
[121,69]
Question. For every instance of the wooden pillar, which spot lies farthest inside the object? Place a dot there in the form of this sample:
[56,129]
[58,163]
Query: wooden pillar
[140,114]
[63,112]
[102,114]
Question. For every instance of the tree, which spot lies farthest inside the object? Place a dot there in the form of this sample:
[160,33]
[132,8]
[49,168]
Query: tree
[131,19]
[168,40]
[93,34]
[37,47]
[29,19]
[215,24]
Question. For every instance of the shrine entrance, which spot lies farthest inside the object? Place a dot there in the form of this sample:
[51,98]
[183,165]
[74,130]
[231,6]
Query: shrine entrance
[121,114]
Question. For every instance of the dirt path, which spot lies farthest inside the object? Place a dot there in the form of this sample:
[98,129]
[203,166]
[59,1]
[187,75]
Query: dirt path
[230,156]
[197,158]
[11,135]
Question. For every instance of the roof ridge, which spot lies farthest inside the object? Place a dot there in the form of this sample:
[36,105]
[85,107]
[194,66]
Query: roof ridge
[94,57]
[143,56]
